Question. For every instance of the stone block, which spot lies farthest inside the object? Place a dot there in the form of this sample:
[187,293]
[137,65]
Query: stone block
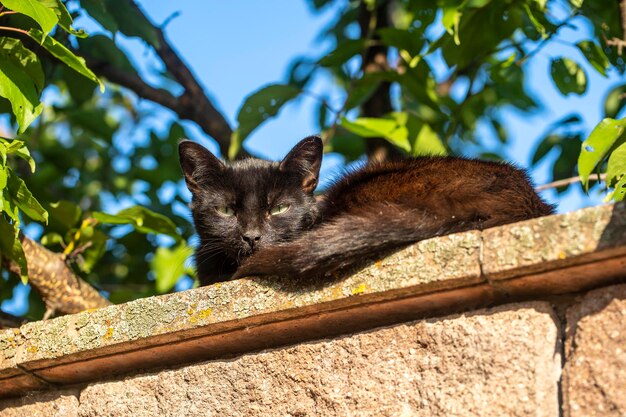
[42,404]
[499,362]
[594,377]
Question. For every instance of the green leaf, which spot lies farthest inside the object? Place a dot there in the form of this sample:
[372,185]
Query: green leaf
[23,58]
[616,167]
[538,26]
[105,49]
[18,148]
[568,76]
[98,10]
[64,215]
[597,145]
[615,101]
[52,239]
[619,191]
[351,146]
[450,21]
[20,90]
[545,146]
[595,56]
[45,17]
[169,266]
[65,19]
[11,247]
[392,128]
[577,3]
[131,22]
[96,247]
[235,145]
[426,141]
[23,198]
[261,105]
[343,52]
[4,175]
[142,219]
[64,55]
[402,39]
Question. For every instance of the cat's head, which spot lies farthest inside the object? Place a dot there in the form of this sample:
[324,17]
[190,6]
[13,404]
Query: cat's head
[242,206]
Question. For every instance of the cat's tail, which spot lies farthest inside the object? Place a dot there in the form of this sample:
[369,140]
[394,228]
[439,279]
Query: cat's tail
[348,240]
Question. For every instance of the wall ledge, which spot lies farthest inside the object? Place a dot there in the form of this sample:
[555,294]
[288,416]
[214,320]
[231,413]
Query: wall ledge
[553,255]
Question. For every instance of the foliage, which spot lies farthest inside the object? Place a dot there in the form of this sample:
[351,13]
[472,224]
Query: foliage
[439,70]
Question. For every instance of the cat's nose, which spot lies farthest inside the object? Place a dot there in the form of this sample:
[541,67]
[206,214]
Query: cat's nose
[251,238]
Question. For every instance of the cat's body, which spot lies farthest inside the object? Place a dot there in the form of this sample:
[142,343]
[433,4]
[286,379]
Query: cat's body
[373,209]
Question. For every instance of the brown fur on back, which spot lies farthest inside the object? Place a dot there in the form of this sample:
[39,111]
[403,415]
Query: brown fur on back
[389,205]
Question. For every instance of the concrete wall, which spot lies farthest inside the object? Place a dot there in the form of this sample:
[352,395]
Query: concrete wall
[559,350]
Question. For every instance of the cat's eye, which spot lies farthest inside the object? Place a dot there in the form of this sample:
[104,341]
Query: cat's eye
[225,211]
[279,209]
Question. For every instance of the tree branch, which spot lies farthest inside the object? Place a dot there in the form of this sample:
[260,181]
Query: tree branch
[567,181]
[193,104]
[375,60]
[61,290]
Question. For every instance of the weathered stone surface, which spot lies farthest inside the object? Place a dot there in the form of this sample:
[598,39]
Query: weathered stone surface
[428,266]
[594,379]
[48,404]
[562,240]
[500,362]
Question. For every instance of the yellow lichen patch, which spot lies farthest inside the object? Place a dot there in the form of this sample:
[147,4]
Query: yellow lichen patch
[562,255]
[203,314]
[360,289]
[378,264]
[192,309]
[32,349]
[109,333]
[200,315]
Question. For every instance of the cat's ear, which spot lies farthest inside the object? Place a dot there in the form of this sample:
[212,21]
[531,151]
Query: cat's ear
[198,164]
[305,160]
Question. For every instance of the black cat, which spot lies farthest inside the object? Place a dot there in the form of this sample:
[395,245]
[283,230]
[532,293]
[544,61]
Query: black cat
[248,205]
[260,218]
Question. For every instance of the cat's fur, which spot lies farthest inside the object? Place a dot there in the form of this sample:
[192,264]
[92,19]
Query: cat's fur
[370,210]
[251,187]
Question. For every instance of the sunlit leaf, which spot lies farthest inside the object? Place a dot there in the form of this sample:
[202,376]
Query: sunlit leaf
[595,148]
[11,247]
[168,266]
[23,58]
[64,55]
[65,19]
[426,141]
[616,166]
[142,219]
[392,128]
[17,87]
[24,199]
[46,18]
